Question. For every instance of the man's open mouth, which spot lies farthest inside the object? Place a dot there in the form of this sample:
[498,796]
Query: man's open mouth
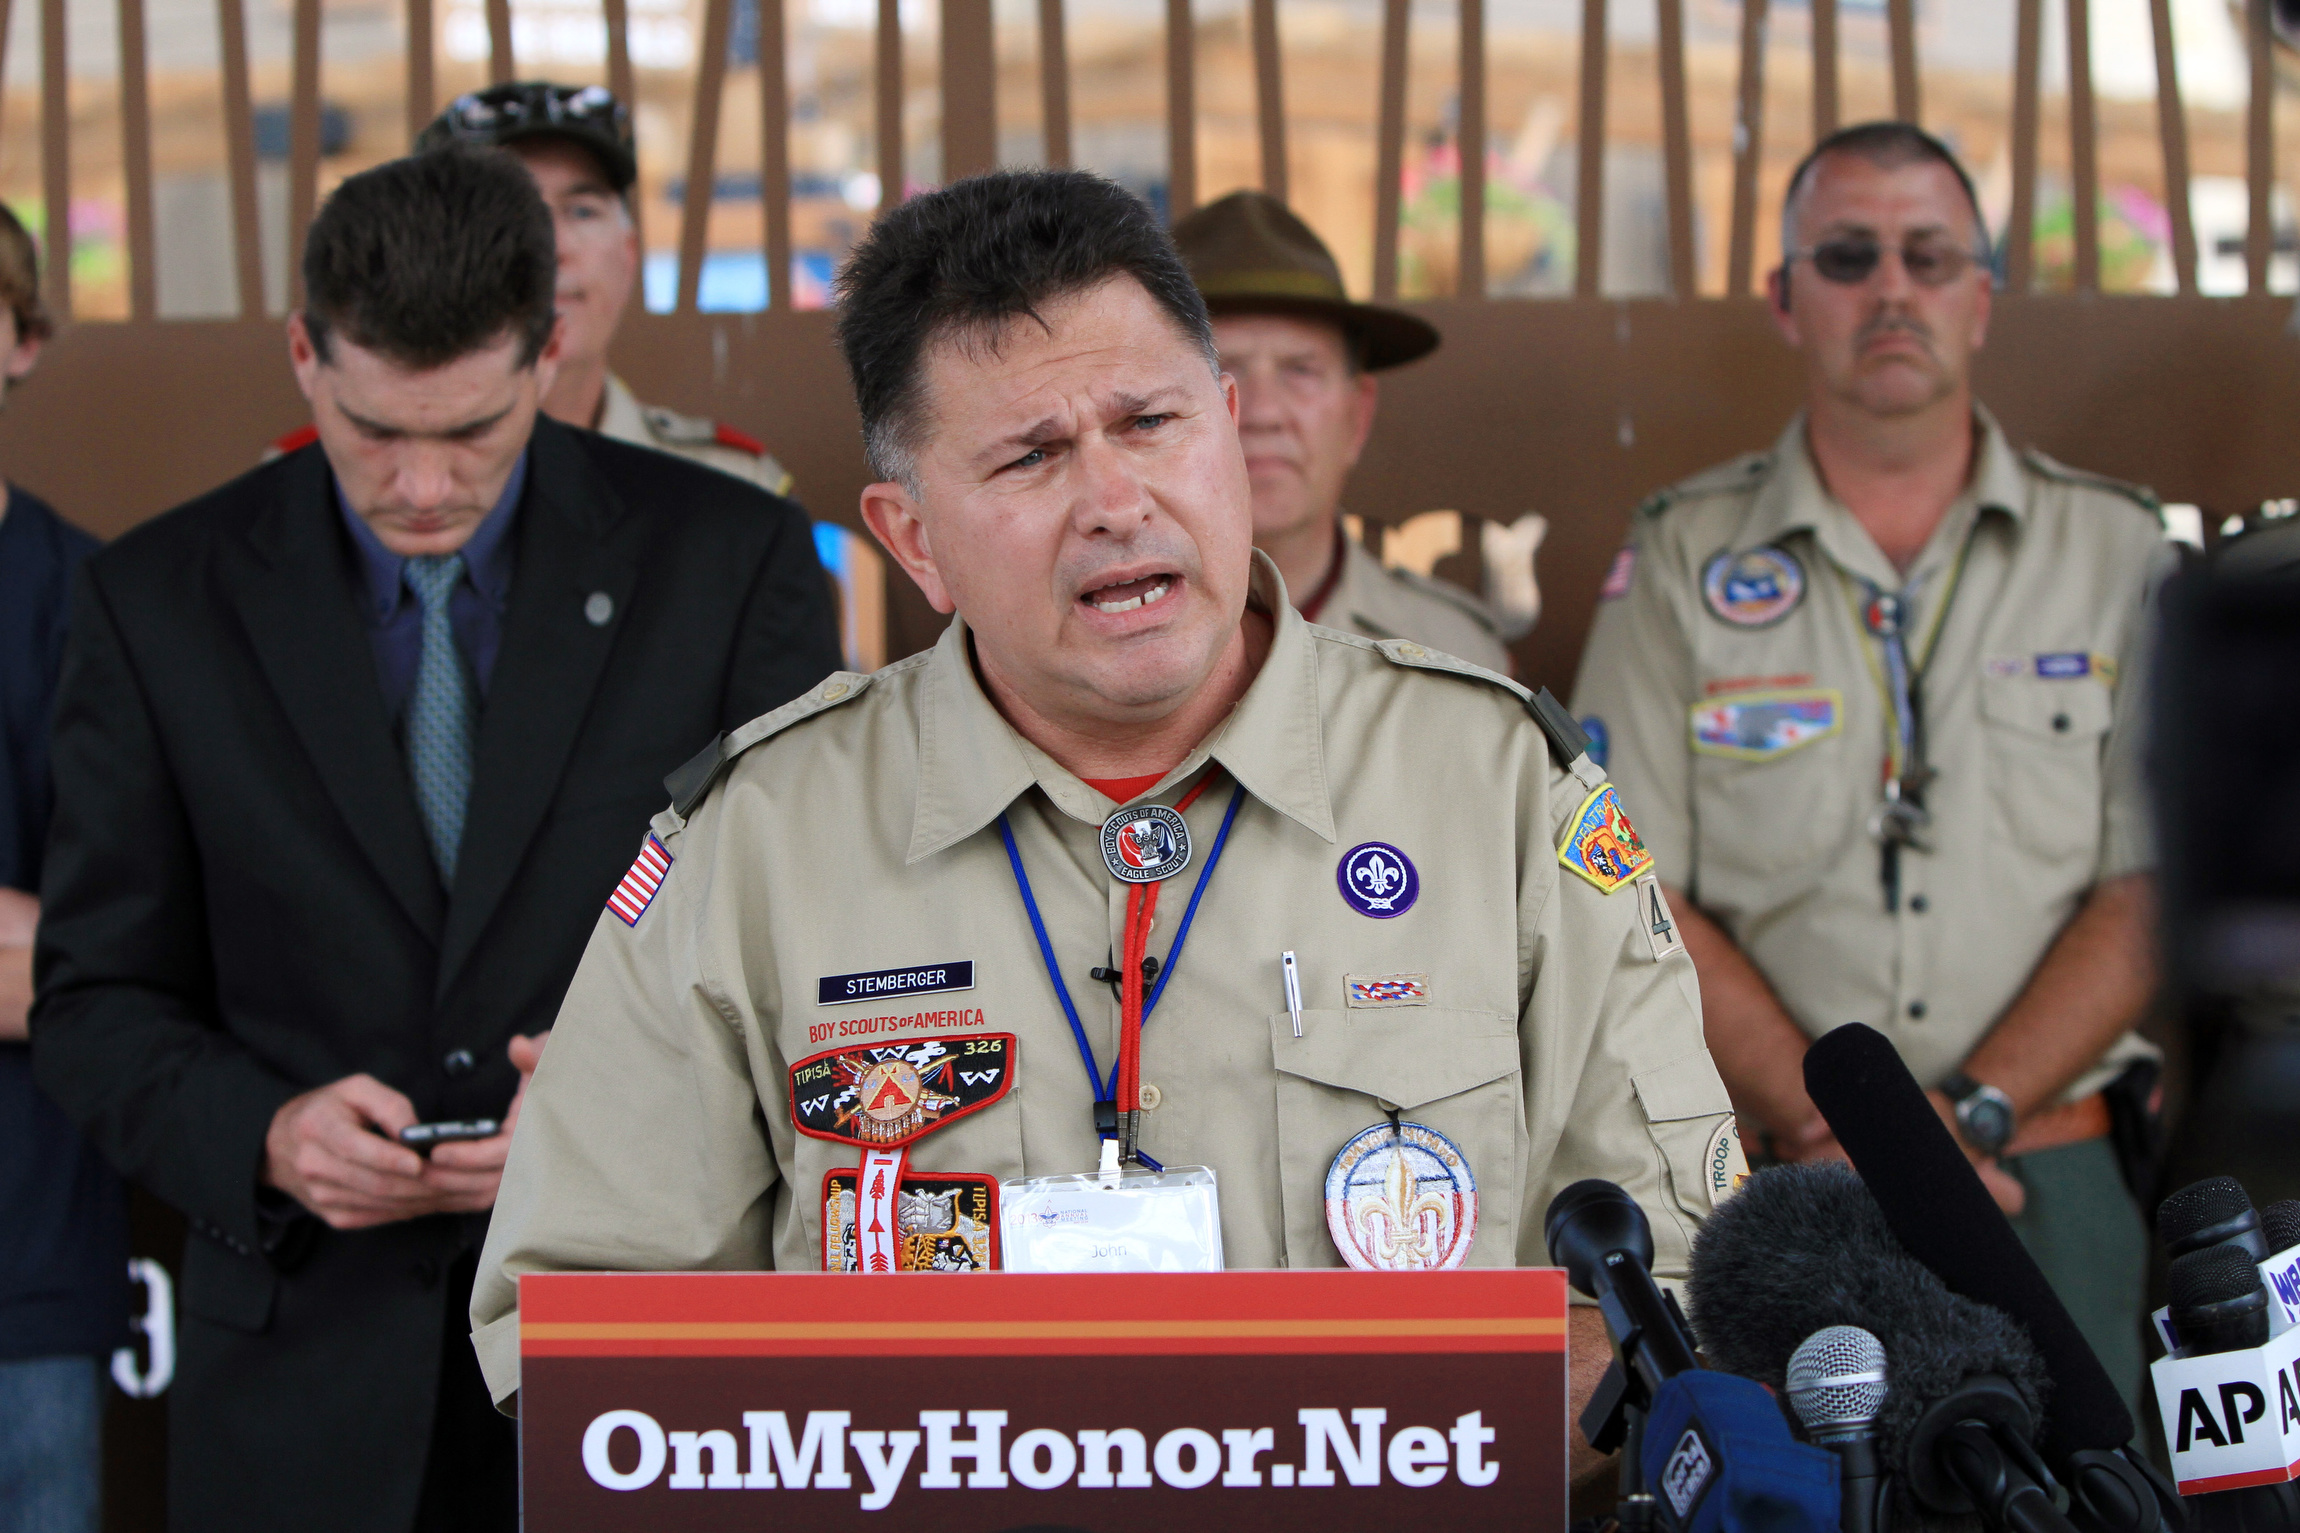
[1130,594]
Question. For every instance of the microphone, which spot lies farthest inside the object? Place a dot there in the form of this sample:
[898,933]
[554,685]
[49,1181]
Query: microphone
[2218,1301]
[2215,1211]
[1937,1209]
[1836,1380]
[2280,1226]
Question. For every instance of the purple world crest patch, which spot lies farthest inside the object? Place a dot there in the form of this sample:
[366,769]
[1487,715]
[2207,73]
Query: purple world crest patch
[1378,880]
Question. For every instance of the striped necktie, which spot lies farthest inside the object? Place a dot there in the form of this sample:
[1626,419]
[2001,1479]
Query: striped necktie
[439,713]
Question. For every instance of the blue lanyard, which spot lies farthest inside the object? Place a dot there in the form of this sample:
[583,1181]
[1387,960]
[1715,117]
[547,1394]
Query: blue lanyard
[1107,1092]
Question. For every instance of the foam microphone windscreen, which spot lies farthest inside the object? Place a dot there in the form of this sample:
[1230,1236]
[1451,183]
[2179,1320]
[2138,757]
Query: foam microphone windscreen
[1802,1248]
[1936,1206]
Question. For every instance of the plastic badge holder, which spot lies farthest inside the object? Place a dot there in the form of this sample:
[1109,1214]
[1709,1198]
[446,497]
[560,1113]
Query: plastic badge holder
[1113,1221]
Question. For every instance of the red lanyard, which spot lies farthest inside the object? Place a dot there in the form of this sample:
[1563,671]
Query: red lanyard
[1141,913]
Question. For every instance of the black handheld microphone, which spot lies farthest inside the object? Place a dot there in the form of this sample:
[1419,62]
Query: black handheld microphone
[1937,1208]
[2218,1303]
[2215,1211]
[2280,1226]
[1599,1235]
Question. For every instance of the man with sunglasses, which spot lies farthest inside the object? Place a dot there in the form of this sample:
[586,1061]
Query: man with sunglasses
[1874,696]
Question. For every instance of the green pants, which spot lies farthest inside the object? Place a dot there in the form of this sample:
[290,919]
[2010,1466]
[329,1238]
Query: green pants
[2085,1231]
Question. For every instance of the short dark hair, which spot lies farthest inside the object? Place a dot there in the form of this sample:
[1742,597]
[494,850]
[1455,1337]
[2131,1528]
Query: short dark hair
[976,254]
[20,280]
[1884,143]
[431,258]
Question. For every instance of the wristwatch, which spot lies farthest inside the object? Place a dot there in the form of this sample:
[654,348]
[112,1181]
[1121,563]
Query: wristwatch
[1983,1112]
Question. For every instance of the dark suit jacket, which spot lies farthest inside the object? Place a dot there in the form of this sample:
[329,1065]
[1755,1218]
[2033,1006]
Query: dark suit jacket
[241,905]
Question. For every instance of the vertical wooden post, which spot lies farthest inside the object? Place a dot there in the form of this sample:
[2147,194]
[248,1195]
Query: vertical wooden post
[2083,147]
[2259,147]
[136,163]
[56,158]
[887,105]
[1470,261]
[1181,110]
[969,90]
[1748,148]
[2028,64]
[703,153]
[303,141]
[502,67]
[1389,152]
[7,11]
[1589,153]
[1677,148]
[1825,110]
[422,83]
[1054,82]
[2172,128]
[1270,97]
[775,151]
[240,156]
[617,14]
[1901,20]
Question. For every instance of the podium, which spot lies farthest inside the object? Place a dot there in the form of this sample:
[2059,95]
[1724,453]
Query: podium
[1324,1400]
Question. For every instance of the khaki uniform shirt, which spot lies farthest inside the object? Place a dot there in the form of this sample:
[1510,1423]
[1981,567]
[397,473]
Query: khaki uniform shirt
[1383,603]
[1511,1006]
[1748,728]
[622,417]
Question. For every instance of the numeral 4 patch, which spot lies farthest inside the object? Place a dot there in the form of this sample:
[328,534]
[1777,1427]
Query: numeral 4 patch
[897,1093]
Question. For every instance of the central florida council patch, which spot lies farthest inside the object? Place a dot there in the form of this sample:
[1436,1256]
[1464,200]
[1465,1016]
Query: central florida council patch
[1755,589]
[943,1221]
[1400,1197]
[897,1093]
[1601,845]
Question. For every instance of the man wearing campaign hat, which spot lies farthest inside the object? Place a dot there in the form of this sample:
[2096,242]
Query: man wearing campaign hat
[1304,357]
[576,141]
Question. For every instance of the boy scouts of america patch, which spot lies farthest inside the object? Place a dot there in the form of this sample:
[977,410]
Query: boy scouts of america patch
[1601,845]
[637,890]
[1755,589]
[895,1093]
[1401,1198]
[1145,843]
[1378,880]
[943,1222]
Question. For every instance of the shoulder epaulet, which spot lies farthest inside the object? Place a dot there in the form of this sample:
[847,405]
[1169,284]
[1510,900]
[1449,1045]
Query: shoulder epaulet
[2052,468]
[1738,475]
[691,782]
[1567,742]
[686,430]
[1449,593]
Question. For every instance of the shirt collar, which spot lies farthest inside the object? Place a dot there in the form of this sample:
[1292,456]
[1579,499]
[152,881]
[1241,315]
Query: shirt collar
[1793,499]
[973,764]
[486,554]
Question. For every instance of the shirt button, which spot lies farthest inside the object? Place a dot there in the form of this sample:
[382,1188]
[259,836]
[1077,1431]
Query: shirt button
[1410,651]
[834,691]
[1919,904]
[459,1063]
[1917,1010]
[598,609]
[2060,723]
[1151,1097]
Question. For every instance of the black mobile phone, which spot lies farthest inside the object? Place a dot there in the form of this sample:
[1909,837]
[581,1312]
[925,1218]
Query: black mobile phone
[422,1136]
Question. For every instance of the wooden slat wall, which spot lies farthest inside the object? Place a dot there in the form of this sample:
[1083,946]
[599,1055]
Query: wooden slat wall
[969,86]
[2028,63]
[1389,153]
[886,106]
[1901,22]
[775,153]
[2083,147]
[303,142]
[240,156]
[1470,263]
[1269,98]
[1748,147]
[56,159]
[617,14]
[703,151]
[1824,68]
[1054,82]
[1676,147]
[2260,145]
[136,163]
[501,66]
[1589,171]
[1181,109]
[422,84]
[2172,129]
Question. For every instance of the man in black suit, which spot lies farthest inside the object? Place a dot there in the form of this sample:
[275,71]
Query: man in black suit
[349,755]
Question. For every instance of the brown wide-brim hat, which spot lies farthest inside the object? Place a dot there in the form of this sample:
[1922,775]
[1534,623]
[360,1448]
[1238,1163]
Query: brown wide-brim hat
[1248,253]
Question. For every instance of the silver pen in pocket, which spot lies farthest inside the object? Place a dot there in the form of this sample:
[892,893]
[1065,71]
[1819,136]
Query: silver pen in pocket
[1293,989]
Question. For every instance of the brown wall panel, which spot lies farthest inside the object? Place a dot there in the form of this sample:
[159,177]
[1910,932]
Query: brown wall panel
[1574,409]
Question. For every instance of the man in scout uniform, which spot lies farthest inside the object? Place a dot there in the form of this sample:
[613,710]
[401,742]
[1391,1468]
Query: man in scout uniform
[892,947]
[1304,358]
[1873,697]
[576,141]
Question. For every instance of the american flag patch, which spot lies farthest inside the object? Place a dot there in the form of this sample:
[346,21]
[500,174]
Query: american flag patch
[637,890]
[1618,575]
[1388,989]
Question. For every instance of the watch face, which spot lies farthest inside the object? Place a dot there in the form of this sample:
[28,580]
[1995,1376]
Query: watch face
[1986,1122]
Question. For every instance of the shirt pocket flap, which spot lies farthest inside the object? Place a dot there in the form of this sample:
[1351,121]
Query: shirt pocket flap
[1405,1058]
[2075,709]
[1683,1088]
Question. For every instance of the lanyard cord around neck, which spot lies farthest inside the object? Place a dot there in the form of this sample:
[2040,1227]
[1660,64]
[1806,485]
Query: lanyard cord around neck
[1120,1095]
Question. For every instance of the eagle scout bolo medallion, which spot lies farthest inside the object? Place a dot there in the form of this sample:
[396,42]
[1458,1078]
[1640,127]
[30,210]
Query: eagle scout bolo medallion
[1145,843]
[1401,1198]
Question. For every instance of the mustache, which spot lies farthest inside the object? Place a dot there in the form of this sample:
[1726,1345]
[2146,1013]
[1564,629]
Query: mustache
[1892,320]
[1165,548]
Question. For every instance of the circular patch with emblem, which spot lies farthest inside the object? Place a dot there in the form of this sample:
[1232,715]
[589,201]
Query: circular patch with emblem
[1401,1198]
[889,1091]
[1145,843]
[1727,1166]
[1755,589]
[1378,880]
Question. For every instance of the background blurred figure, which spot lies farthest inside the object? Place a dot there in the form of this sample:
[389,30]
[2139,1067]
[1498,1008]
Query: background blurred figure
[1304,357]
[1875,700]
[349,755]
[576,141]
[63,1225]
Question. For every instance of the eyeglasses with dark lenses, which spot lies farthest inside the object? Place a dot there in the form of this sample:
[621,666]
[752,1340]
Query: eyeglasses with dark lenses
[1853,259]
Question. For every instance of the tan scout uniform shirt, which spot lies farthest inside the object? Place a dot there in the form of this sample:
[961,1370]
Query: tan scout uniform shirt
[1754,755]
[1383,603]
[858,833]
[622,417]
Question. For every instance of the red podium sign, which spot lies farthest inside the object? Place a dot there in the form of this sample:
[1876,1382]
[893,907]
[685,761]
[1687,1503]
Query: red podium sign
[1314,1400]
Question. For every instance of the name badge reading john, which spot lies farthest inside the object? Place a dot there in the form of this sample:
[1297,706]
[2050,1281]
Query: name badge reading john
[1113,1221]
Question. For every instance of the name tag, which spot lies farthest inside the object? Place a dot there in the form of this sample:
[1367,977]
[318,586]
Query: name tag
[878,984]
[1135,1221]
